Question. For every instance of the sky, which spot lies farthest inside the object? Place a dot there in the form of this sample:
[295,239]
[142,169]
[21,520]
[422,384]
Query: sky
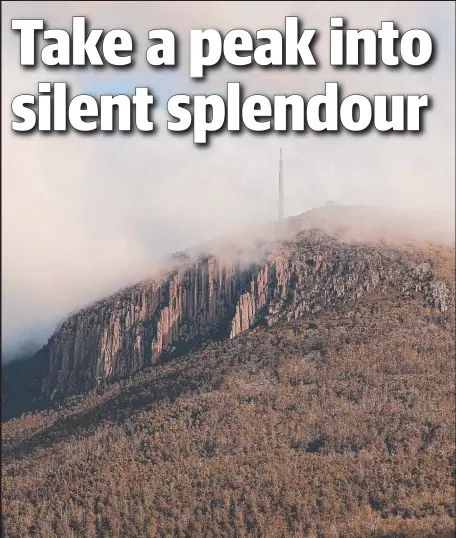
[83,215]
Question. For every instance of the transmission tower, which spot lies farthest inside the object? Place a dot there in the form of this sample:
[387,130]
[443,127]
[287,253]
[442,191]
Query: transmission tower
[280,186]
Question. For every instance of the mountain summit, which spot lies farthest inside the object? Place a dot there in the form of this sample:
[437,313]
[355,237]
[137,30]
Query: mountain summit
[323,259]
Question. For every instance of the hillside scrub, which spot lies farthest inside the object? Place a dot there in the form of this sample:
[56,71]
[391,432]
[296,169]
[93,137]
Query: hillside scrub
[338,424]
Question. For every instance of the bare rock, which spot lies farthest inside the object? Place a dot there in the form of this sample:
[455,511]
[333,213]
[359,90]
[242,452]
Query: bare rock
[216,296]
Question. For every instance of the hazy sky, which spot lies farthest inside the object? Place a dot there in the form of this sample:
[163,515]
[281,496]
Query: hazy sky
[85,214]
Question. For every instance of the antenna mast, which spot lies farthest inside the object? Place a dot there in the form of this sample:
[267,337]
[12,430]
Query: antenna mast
[280,186]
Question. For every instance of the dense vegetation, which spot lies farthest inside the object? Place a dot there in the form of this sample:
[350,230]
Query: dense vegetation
[339,425]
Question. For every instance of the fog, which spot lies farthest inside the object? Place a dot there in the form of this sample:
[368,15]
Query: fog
[83,215]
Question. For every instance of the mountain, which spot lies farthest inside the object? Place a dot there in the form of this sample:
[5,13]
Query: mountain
[297,380]
[290,269]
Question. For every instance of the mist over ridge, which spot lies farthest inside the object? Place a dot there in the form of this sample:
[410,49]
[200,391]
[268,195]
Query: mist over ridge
[351,224]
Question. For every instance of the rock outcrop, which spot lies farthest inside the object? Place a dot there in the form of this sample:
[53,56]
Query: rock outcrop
[212,297]
[219,295]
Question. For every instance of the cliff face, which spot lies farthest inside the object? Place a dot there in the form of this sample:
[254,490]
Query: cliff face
[211,297]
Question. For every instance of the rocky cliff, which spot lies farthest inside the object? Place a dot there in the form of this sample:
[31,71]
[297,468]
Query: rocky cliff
[207,296]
